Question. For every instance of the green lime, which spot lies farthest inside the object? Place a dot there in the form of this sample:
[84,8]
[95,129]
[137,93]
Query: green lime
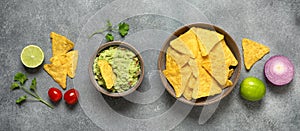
[32,56]
[252,89]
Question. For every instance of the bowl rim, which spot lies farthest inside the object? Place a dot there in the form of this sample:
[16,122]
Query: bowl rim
[233,47]
[123,45]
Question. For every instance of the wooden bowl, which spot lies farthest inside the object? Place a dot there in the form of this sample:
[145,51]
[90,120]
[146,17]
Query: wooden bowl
[106,46]
[205,100]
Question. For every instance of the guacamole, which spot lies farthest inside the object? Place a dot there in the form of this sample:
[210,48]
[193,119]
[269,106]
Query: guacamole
[125,65]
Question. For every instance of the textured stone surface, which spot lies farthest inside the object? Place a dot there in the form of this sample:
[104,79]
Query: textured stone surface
[274,23]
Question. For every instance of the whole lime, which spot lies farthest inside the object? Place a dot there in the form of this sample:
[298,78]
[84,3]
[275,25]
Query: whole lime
[252,89]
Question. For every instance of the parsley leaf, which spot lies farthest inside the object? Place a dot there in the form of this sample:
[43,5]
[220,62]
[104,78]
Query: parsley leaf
[20,77]
[33,84]
[21,99]
[109,37]
[14,85]
[123,29]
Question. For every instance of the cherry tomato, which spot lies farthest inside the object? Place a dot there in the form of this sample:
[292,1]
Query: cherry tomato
[54,94]
[71,96]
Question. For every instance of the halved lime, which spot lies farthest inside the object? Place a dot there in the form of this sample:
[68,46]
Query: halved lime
[32,56]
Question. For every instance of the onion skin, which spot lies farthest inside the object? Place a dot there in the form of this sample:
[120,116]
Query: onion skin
[279,70]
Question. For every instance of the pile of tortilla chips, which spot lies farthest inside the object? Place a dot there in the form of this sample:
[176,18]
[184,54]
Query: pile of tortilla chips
[199,64]
[63,61]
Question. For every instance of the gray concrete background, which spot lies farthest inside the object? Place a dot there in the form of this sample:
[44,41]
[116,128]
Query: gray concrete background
[273,23]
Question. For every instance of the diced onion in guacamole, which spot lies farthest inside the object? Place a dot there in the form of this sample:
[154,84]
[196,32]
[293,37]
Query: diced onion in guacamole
[125,65]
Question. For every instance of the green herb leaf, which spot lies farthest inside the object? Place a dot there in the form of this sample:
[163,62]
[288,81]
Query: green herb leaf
[123,29]
[21,99]
[33,84]
[14,85]
[109,37]
[20,77]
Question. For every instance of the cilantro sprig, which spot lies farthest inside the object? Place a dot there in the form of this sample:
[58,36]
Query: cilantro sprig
[123,29]
[19,83]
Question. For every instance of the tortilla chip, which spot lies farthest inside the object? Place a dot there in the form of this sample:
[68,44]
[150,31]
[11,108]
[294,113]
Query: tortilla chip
[178,45]
[173,75]
[215,64]
[58,73]
[60,44]
[69,60]
[207,39]
[207,86]
[230,59]
[186,72]
[253,51]
[192,82]
[194,67]
[107,73]
[180,59]
[230,72]
[73,60]
[228,83]
[190,40]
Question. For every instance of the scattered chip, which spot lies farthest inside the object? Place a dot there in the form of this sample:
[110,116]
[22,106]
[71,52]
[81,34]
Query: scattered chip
[58,73]
[60,44]
[253,51]
[207,39]
[73,60]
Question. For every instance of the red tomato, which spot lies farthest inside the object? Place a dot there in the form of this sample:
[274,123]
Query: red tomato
[71,96]
[54,94]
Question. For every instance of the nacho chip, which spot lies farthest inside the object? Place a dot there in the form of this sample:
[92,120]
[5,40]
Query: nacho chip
[73,59]
[230,59]
[215,64]
[57,72]
[178,45]
[207,86]
[194,67]
[186,73]
[228,83]
[207,39]
[192,82]
[180,59]
[107,73]
[60,44]
[230,72]
[253,51]
[69,60]
[173,75]
[190,40]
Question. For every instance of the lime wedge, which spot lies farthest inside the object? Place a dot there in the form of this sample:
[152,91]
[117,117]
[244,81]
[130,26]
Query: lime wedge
[32,56]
